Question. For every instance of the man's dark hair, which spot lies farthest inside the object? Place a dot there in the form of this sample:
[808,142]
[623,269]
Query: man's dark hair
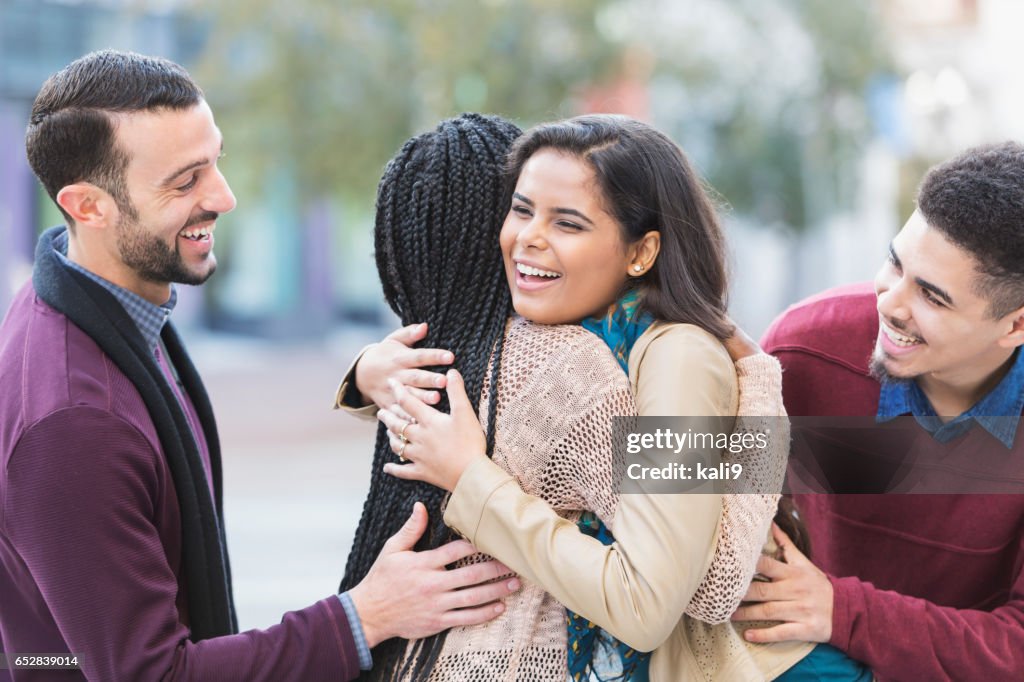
[976,200]
[440,208]
[70,136]
[648,184]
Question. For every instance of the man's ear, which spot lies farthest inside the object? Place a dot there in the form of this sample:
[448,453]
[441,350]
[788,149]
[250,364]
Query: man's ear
[88,205]
[643,253]
[1015,337]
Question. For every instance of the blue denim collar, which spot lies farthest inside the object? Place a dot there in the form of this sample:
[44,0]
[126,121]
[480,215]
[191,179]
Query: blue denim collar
[998,412]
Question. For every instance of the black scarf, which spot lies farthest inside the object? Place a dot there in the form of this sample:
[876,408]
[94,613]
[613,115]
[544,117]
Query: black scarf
[95,311]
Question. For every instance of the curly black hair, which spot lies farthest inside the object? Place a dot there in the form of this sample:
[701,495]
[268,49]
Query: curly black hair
[976,200]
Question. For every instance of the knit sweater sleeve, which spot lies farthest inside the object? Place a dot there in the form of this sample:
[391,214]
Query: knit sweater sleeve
[747,506]
[637,587]
[82,497]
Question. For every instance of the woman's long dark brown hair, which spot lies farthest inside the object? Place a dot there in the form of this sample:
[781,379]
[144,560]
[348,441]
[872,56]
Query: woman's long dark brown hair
[648,184]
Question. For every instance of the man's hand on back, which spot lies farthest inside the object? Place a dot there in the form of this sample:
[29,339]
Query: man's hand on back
[410,594]
[799,594]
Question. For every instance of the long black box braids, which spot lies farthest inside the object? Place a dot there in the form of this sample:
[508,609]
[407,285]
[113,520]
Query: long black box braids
[440,206]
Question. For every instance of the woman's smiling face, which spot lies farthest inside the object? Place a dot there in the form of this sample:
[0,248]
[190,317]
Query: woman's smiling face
[564,254]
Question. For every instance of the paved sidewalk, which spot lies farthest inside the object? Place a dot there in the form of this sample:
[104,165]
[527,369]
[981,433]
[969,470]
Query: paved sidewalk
[295,471]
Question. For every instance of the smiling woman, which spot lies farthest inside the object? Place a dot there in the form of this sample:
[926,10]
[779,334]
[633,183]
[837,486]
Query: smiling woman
[613,208]
[607,204]
[564,254]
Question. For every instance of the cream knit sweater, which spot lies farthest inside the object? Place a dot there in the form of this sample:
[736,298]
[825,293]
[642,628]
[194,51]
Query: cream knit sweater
[559,387]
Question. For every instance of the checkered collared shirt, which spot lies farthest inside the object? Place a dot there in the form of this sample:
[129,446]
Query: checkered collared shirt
[148,317]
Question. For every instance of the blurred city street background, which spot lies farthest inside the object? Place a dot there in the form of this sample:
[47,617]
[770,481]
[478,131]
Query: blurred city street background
[296,471]
[814,121]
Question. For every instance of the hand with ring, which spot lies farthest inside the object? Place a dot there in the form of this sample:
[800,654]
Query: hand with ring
[400,442]
[405,439]
[438,446]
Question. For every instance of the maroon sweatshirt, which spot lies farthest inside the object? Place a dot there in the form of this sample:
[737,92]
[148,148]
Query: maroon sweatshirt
[927,587]
[90,529]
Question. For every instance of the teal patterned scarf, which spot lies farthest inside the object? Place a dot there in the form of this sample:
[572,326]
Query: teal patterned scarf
[594,655]
[621,327]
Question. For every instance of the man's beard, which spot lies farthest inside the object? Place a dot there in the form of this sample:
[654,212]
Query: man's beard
[878,370]
[152,259]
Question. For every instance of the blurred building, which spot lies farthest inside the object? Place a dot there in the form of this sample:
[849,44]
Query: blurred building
[291,269]
[963,58]
[957,84]
[37,38]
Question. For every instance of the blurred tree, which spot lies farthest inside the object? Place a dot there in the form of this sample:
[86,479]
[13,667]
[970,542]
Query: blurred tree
[332,88]
[768,95]
[774,87]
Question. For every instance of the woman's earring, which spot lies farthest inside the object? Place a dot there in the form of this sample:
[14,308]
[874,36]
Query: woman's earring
[638,268]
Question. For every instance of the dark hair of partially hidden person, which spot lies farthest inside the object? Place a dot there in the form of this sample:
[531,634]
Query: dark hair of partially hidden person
[70,135]
[440,207]
[976,200]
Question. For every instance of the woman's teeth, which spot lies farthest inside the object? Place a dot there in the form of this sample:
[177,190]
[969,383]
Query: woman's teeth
[536,272]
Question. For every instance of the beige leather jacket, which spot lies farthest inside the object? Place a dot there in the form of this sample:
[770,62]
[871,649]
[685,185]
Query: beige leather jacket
[638,587]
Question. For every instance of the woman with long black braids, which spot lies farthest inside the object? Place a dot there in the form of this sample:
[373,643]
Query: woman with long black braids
[430,224]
